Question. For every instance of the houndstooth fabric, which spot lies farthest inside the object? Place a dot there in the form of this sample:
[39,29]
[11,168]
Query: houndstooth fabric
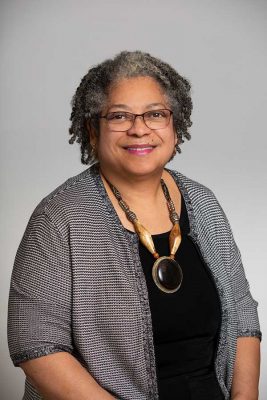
[78,286]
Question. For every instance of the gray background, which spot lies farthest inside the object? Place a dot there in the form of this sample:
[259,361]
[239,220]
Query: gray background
[47,46]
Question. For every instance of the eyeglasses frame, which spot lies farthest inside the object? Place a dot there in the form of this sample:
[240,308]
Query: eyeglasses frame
[139,115]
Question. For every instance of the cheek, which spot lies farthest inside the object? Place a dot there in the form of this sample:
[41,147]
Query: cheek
[170,132]
[172,138]
[106,144]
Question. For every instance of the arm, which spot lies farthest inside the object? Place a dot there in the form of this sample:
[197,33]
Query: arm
[40,333]
[246,370]
[60,376]
[247,363]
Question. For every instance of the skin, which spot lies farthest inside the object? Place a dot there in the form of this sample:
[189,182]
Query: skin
[135,95]
[60,376]
[137,176]
[247,369]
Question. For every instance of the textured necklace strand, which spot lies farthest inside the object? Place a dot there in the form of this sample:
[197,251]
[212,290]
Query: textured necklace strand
[166,272]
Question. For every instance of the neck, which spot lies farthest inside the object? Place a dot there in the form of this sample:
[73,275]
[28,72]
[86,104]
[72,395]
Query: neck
[138,188]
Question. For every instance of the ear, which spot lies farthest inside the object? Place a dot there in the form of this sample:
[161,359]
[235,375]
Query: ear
[92,133]
[175,138]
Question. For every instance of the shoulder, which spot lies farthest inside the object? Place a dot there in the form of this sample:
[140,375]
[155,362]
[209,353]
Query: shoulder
[73,186]
[69,198]
[200,198]
[191,186]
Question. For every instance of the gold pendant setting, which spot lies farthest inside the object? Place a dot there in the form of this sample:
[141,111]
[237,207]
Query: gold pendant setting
[167,274]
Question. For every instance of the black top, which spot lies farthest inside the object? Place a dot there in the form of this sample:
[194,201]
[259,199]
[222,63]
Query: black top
[185,323]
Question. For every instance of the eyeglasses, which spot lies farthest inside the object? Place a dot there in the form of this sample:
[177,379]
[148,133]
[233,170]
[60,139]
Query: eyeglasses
[120,121]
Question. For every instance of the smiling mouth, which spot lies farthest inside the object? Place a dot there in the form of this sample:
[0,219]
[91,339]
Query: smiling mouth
[139,146]
[139,149]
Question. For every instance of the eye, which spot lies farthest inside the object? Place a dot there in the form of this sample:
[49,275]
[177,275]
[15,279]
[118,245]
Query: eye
[156,114]
[117,116]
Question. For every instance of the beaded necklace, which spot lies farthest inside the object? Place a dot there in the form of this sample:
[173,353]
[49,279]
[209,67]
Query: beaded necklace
[166,272]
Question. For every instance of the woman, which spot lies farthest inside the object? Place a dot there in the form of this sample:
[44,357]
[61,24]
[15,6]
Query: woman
[128,283]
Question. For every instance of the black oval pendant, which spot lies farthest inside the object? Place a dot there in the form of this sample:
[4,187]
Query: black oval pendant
[167,274]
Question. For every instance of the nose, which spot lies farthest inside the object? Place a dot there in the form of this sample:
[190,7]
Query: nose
[139,127]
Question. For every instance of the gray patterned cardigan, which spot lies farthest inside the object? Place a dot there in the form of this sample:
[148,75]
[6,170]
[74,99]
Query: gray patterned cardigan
[78,286]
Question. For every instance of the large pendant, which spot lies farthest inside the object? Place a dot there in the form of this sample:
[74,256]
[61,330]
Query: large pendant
[167,274]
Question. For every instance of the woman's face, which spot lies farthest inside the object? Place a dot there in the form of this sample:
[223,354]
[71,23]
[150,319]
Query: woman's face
[139,151]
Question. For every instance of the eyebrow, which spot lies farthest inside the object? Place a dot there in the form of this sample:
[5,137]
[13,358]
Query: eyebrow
[125,107]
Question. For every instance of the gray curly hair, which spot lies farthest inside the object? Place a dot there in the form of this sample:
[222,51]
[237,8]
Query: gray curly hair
[92,93]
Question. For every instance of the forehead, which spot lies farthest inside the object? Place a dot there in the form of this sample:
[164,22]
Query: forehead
[136,92]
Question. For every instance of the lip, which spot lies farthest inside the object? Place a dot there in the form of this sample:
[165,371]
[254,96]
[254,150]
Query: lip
[139,149]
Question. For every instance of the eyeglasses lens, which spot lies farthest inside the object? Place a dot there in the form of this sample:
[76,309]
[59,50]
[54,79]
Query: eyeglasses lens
[122,121]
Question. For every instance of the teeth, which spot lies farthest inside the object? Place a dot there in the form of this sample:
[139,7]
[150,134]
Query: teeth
[139,148]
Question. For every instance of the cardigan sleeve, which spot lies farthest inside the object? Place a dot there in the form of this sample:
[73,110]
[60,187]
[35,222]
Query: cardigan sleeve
[248,322]
[246,306]
[39,309]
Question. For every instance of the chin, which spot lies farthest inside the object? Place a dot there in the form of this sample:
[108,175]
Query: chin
[142,169]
